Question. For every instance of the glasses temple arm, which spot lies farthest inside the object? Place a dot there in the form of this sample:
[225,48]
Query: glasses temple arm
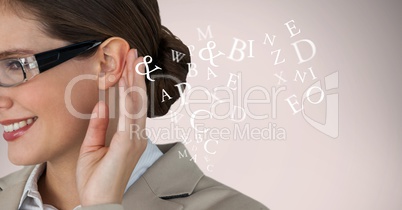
[50,59]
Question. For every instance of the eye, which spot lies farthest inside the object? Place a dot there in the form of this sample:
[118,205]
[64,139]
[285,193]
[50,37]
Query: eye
[13,66]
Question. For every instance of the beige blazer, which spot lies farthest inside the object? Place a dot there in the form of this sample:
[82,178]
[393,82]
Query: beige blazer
[171,183]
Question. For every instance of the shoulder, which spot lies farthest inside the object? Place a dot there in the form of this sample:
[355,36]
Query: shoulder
[20,176]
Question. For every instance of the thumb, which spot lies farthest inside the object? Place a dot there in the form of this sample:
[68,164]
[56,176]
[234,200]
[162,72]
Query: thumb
[96,133]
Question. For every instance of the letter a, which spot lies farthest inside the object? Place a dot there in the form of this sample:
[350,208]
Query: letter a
[165,94]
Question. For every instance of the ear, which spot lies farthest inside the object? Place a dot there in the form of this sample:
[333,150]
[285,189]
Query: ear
[112,55]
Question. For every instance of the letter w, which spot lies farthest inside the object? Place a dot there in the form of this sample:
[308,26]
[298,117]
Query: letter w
[177,56]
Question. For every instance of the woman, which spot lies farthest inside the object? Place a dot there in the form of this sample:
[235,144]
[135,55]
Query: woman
[57,59]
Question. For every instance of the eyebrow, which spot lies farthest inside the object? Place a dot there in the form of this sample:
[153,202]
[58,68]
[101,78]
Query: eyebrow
[14,52]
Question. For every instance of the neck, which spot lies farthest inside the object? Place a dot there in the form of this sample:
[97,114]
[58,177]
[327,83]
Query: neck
[57,185]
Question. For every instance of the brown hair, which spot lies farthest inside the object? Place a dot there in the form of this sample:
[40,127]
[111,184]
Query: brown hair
[136,21]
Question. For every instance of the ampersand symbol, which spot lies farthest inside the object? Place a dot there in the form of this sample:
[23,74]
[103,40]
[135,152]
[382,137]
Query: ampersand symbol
[210,46]
[147,60]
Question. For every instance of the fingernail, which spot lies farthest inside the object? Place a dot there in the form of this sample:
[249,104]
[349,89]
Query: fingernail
[136,53]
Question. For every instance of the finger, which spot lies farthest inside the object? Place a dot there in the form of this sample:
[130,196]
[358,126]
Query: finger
[136,102]
[140,95]
[128,114]
[132,56]
[96,133]
[124,80]
[130,60]
[132,95]
[139,79]
[122,124]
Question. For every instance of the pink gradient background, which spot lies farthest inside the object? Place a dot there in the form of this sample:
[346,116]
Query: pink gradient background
[362,168]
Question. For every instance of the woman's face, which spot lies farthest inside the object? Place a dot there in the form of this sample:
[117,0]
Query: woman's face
[56,133]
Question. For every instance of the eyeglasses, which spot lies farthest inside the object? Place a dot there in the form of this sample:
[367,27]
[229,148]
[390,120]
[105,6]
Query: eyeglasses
[16,71]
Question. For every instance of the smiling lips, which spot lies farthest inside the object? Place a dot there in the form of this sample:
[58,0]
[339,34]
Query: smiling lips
[13,130]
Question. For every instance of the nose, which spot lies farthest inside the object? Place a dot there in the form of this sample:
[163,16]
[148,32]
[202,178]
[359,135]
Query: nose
[5,102]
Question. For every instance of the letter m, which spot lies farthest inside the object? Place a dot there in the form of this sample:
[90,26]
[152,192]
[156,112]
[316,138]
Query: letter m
[182,155]
[206,35]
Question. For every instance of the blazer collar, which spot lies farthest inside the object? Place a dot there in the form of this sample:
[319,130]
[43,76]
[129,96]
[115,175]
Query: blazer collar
[12,186]
[173,175]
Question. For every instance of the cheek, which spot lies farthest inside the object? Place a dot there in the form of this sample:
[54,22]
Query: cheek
[71,99]
[69,93]
[80,97]
[62,112]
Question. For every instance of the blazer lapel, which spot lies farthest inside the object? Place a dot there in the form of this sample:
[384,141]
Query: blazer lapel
[174,175]
[141,196]
[12,187]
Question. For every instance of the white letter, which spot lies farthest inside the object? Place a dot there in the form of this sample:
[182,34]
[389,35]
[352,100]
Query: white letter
[240,50]
[280,78]
[164,94]
[292,27]
[207,35]
[292,104]
[191,68]
[312,73]
[232,81]
[191,48]
[302,78]
[177,56]
[314,49]
[181,155]
[319,90]
[271,41]
[192,120]
[206,144]
[181,90]
[277,57]
[251,48]
[210,72]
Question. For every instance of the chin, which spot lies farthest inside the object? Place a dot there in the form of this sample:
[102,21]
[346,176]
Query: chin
[22,158]
[21,161]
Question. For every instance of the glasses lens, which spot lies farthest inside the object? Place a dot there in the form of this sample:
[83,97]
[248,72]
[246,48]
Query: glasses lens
[11,72]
